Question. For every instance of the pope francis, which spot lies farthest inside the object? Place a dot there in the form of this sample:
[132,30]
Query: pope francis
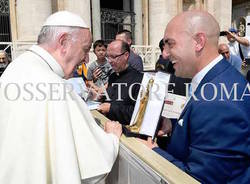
[47,134]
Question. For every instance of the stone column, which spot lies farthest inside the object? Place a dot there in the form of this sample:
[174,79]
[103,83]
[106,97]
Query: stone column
[13,20]
[127,20]
[160,13]
[138,22]
[82,8]
[30,15]
[96,19]
[221,11]
[57,5]
[145,20]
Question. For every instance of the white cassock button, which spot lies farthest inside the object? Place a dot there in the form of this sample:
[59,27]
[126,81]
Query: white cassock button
[180,122]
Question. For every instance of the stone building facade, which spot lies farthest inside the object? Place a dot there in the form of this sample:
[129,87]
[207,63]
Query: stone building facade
[240,11]
[146,18]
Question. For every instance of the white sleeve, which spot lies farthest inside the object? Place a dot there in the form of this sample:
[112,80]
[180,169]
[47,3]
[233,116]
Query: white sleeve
[246,50]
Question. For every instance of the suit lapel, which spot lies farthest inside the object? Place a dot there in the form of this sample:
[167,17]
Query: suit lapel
[211,74]
[214,72]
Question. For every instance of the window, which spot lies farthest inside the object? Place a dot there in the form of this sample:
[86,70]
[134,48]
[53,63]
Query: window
[5,33]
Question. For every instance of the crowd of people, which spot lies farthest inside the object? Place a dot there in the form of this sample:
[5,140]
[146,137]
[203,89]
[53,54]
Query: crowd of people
[47,133]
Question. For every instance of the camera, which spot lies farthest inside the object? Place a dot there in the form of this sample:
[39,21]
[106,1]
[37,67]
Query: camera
[247,60]
[223,33]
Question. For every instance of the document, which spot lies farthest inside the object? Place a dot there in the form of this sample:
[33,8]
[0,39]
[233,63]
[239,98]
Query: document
[79,86]
[173,106]
[81,89]
[93,105]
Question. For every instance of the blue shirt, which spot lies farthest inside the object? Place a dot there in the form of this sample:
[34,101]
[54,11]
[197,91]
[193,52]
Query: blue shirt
[235,61]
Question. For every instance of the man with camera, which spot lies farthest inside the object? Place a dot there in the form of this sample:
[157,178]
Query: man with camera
[239,46]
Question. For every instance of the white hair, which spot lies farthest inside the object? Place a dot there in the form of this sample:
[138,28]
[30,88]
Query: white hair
[3,52]
[49,34]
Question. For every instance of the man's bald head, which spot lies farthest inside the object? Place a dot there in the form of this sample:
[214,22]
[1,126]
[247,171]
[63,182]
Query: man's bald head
[222,46]
[223,49]
[194,22]
[191,39]
[117,54]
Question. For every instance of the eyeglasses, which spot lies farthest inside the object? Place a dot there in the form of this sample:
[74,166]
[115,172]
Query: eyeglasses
[115,57]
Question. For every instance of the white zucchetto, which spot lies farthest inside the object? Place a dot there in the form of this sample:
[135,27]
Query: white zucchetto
[65,18]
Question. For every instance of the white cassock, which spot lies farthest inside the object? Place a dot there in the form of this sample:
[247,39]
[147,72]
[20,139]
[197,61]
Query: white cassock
[47,134]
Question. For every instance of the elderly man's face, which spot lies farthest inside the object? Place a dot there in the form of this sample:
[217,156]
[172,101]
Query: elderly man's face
[180,46]
[78,52]
[224,50]
[117,59]
[3,58]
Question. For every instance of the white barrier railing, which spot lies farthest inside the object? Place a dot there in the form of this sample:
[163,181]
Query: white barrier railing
[16,48]
[149,54]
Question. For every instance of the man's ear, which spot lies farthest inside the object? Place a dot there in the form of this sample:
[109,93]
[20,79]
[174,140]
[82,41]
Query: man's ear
[200,39]
[129,42]
[63,42]
[127,54]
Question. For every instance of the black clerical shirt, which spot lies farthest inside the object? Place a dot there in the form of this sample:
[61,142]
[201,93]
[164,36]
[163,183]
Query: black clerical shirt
[122,105]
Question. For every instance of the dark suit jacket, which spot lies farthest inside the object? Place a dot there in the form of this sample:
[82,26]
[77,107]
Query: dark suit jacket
[122,110]
[211,140]
[135,61]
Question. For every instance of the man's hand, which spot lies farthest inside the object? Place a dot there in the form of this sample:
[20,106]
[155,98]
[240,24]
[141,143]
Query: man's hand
[149,142]
[244,64]
[113,127]
[241,40]
[104,108]
[165,127]
[97,73]
[233,35]
[96,93]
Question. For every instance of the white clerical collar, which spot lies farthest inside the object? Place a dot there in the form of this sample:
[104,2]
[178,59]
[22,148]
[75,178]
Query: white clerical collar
[200,75]
[48,58]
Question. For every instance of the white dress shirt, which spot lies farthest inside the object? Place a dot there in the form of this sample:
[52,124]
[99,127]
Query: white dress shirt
[201,74]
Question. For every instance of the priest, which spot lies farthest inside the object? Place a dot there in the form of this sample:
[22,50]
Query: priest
[47,134]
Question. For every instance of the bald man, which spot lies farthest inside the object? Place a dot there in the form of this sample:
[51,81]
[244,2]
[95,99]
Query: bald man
[47,134]
[211,139]
[234,60]
[123,85]
[134,59]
